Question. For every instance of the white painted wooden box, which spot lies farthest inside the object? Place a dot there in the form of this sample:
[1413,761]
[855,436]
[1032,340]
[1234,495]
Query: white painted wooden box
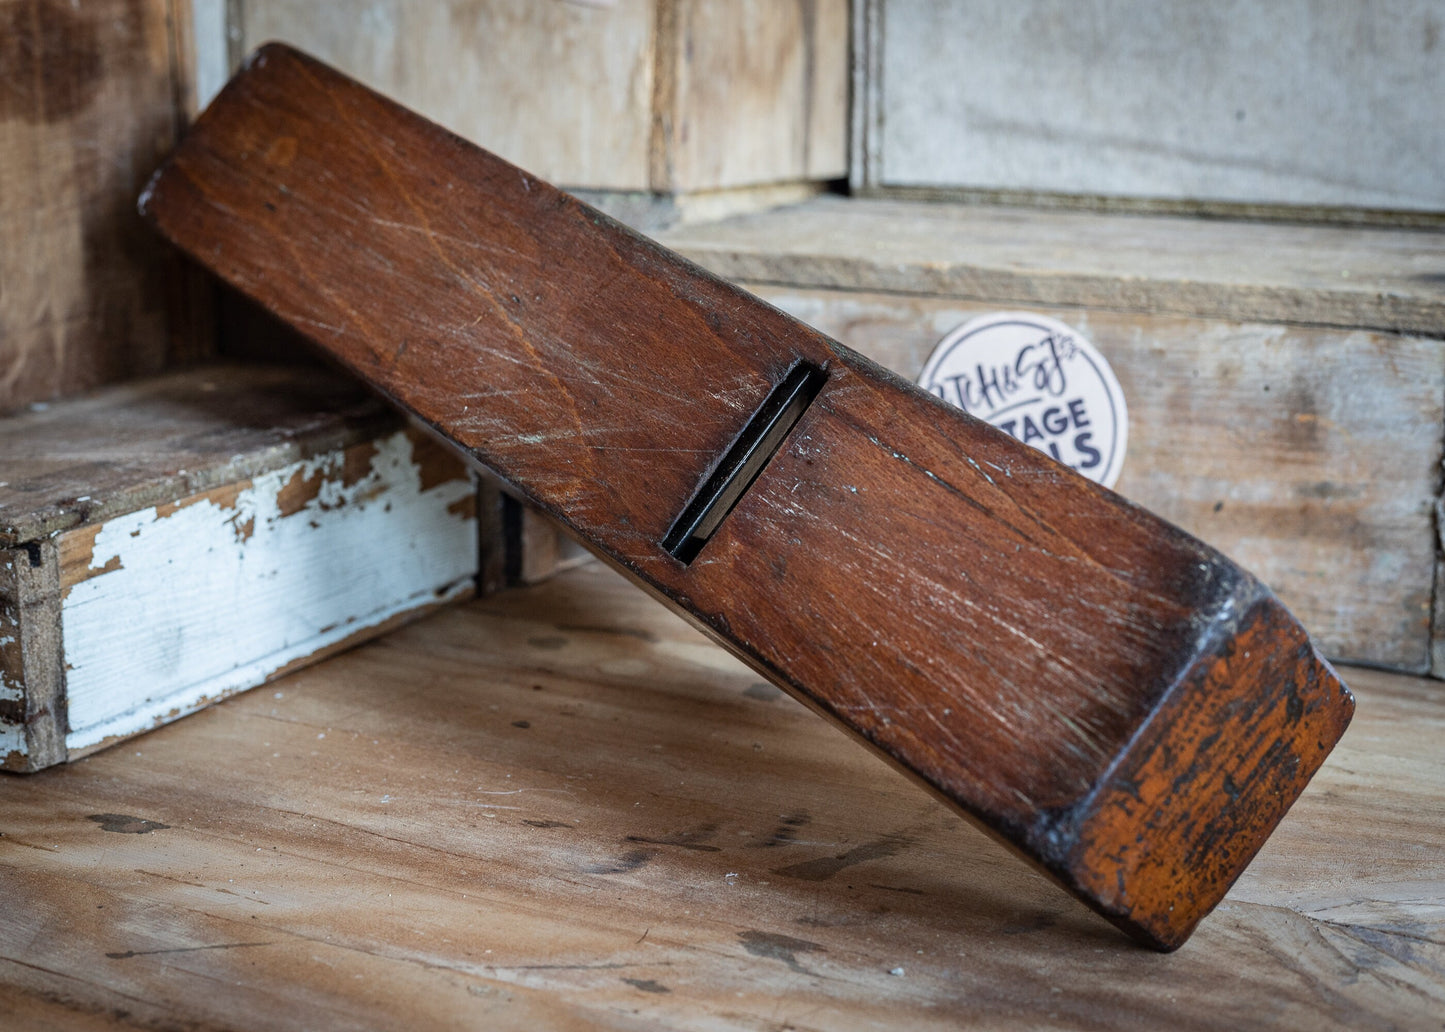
[171,542]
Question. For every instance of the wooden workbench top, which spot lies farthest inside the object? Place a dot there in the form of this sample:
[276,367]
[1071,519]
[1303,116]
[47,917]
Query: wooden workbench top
[562,808]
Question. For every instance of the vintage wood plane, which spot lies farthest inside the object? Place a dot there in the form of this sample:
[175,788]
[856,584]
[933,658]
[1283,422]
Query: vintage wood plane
[1115,699]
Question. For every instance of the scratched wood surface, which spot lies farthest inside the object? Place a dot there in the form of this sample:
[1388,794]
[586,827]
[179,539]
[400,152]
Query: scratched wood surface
[1310,455]
[563,808]
[1057,662]
[91,98]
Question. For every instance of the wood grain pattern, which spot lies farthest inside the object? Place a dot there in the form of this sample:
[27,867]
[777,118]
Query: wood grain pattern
[155,440]
[563,88]
[749,93]
[1206,107]
[90,100]
[1309,455]
[562,808]
[670,96]
[1357,279]
[1023,642]
[33,718]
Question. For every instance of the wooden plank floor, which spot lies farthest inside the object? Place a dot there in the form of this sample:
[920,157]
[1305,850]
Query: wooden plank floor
[562,808]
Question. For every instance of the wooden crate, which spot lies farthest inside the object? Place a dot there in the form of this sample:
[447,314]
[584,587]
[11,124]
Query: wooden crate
[170,542]
[1305,109]
[676,96]
[1286,384]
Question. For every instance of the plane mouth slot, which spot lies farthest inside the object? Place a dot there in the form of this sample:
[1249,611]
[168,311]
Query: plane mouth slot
[745,458]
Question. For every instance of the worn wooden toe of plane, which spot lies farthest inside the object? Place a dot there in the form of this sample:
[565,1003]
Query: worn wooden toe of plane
[1122,704]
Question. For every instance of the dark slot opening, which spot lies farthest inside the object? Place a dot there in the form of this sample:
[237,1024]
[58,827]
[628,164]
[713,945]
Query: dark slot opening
[758,442]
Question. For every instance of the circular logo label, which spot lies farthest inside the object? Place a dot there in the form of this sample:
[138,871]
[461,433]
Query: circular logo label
[1039,380]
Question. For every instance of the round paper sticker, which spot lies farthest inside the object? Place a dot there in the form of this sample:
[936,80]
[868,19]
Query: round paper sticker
[1039,380]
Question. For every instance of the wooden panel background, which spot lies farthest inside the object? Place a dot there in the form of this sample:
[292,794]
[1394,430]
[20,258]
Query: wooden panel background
[627,95]
[1291,104]
[562,89]
[91,98]
[749,92]
[1309,455]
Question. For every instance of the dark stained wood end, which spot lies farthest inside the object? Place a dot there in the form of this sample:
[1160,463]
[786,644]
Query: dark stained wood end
[1207,779]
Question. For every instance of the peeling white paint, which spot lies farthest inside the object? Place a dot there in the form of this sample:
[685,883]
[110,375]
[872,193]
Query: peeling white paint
[209,599]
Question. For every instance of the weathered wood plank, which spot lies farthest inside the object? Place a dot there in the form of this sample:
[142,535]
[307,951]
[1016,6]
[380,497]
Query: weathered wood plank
[89,97]
[1437,643]
[319,520]
[545,548]
[1056,661]
[33,719]
[562,88]
[750,93]
[1354,278]
[1310,455]
[650,212]
[172,607]
[167,437]
[1306,103]
[563,808]
[676,96]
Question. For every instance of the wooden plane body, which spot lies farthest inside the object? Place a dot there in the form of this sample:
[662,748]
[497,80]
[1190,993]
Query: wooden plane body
[1114,698]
